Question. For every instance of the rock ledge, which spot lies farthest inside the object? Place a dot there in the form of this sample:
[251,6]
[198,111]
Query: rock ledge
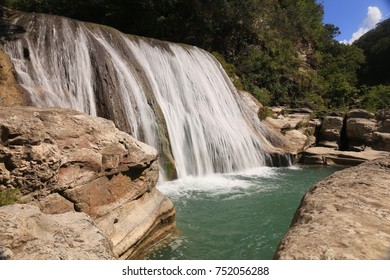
[346,216]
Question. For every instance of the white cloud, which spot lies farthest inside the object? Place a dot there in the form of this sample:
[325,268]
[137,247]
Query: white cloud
[374,16]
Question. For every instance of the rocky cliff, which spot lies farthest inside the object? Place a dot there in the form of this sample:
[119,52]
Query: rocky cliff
[346,216]
[64,161]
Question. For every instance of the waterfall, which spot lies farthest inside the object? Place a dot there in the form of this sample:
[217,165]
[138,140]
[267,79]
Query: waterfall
[142,85]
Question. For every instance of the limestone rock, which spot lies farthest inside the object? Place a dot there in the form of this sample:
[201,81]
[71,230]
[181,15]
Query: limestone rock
[384,126]
[331,131]
[360,114]
[132,227]
[381,141]
[331,156]
[297,120]
[62,160]
[346,216]
[28,234]
[54,204]
[297,127]
[384,121]
[297,139]
[360,132]
[53,150]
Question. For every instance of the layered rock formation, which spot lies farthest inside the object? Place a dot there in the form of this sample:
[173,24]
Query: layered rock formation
[296,126]
[337,139]
[381,138]
[346,216]
[360,128]
[63,161]
[350,139]
[331,131]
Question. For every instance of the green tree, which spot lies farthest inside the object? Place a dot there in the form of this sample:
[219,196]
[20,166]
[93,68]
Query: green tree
[376,47]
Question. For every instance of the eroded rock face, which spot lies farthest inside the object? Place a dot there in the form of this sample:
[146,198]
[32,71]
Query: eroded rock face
[62,160]
[346,216]
[360,133]
[296,127]
[28,234]
[331,131]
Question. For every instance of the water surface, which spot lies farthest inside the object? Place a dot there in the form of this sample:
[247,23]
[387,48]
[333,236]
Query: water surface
[236,216]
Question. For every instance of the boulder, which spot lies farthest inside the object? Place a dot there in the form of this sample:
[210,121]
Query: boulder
[345,216]
[360,132]
[383,117]
[330,132]
[28,234]
[62,160]
[381,141]
[384,126]
[297,139]
[360,114]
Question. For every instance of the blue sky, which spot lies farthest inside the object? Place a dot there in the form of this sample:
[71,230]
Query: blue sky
[355,17]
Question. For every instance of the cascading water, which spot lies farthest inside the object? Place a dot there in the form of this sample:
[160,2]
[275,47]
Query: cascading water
[206,128]
[141,84]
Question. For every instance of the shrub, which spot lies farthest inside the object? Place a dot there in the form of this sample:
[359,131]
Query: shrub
[375,98]
[9,196]
[264,112]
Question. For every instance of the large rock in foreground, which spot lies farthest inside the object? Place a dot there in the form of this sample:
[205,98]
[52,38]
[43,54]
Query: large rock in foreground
[346,216]
[62,160]
[26,233]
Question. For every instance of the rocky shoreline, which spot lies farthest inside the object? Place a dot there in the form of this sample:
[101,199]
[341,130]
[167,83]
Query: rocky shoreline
[337,139]
[73,169]
[346,216]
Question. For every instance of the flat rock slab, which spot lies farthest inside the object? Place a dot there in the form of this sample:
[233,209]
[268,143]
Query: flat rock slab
[332,156]
[346,216]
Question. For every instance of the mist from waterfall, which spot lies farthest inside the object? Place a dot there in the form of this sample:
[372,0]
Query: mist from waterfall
[100,71]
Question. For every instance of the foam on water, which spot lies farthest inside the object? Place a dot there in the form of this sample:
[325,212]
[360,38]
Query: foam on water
[225,186]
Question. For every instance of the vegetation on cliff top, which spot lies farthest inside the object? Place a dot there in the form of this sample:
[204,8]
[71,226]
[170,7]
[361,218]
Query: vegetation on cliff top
[279,49]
